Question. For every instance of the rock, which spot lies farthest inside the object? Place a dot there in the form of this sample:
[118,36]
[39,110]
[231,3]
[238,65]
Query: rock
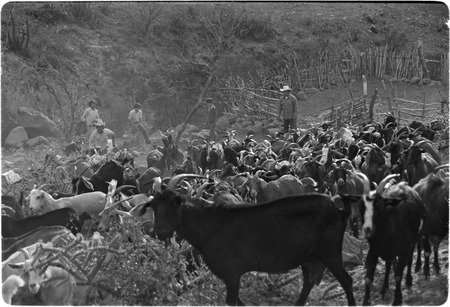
[426,81]
[189,128]
[420,82]
[36,141]
[387,78]
[16,136]
[414,80]
[36,123]
[11,177]
[301,95]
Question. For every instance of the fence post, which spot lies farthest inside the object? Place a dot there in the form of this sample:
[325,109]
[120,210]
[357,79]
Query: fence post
[364,85]
[372,103]
[423,106]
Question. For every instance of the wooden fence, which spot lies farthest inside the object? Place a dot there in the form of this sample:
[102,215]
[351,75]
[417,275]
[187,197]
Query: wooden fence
[327,68]
[375,107]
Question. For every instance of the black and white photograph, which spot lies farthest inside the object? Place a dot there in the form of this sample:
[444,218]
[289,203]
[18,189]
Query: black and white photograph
[211,153]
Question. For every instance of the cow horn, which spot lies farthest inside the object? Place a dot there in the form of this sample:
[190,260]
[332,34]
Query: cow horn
[383,182]
[365,180]
[175,179]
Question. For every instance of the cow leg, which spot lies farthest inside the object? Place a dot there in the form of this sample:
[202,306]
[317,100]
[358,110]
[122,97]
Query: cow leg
[308,284]
[385,287]
[426,253]
[398,279]
[334,264]
[408,278]
[371,263]
[436,241]
[419,254]
[232,285]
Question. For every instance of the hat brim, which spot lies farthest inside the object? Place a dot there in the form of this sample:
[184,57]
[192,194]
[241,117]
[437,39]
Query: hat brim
[285,90]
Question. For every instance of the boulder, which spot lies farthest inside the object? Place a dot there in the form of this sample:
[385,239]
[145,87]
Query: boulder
[36,141]
[189,128]
[36,123]
[16,136]
[301,95]
[414,80]
[426,81]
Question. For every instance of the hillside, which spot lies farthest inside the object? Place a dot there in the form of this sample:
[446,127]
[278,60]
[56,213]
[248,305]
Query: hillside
[160,54]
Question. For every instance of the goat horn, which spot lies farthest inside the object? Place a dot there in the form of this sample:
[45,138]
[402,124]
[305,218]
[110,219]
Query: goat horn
[365,180]
[315,159]
[175,179]
[383,182]
[42,186]
[420,143]
[123,187]
[200,189]
[441,166]
[343,159]
[188,187]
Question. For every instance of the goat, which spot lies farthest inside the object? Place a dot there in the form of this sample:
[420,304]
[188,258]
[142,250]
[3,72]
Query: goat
[11,202]
[54,283]
[42,234]
[66,217]
[99,180]
[280,235]
[91,203]
[419,163]
[434,192]
[392,225]
[375,167]
[10,287]
[262,191]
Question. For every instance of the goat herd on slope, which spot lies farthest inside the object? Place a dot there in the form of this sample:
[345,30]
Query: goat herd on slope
[267,206]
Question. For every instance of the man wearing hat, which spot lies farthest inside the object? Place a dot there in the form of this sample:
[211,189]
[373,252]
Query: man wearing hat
[90,117]
[100,136]
[211,119]
[288,107]
[135,117]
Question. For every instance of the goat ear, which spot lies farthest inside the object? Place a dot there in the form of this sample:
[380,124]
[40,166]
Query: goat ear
[16,266]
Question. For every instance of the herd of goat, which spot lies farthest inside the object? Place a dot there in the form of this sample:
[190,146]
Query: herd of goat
[267,206]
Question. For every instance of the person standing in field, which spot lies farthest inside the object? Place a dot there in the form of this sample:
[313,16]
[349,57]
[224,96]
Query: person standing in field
[135,117]
[288,109]
[211,119]
[90,117]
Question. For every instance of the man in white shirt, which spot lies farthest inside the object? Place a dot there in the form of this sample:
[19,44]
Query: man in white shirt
[100,136]
[135,117]
[90,117]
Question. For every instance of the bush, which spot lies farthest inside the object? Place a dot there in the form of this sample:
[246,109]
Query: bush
[258,29]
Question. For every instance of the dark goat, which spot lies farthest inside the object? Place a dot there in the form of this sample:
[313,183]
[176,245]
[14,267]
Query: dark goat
[172,155]
[280,235]
[314,169]
[209,159]
[11,202]
[145,182]
[419,164]
[66,217]
[392,225]
[434,192]
[42,234]
[99,180]
[375,166]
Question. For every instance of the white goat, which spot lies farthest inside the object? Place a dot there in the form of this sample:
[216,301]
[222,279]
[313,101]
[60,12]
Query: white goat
[92,203]
[55,284]
[11,286]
